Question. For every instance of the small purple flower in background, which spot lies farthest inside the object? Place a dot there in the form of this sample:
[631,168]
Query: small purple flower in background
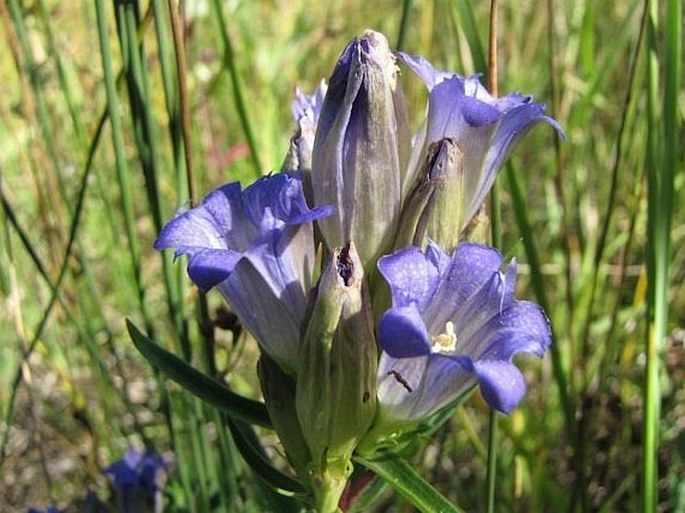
[305,109]
[485,128]
[257,247]
[51,509]
[454,323]
[137,480]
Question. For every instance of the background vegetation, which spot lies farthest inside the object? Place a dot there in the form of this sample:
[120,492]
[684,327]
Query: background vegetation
[100,142]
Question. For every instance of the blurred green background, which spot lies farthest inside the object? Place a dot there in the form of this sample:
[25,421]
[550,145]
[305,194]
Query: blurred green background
[87,174]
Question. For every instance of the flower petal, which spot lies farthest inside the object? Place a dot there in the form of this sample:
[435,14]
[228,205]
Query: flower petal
[425,70]
[414,388]
[136,470]
[446,380]
[219,222]
[306,107]
[209,267]
[471,266]
[483,306]
[398,384]
[411,274]
[402,333]
[485,128]
[501,384]
[271,316]
[451,111]
[485,153]
[522,327]
[275,201]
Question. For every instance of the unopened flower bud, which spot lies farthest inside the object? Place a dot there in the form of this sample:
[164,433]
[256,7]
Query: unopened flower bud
[279,395]
[362,145]
[435,206]
[478,228]
[336,395]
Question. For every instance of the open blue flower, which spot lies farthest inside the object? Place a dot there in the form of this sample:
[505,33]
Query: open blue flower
[454,323]
[485,128]
[256,246]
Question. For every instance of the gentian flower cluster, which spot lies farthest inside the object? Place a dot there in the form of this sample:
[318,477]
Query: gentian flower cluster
[410,310]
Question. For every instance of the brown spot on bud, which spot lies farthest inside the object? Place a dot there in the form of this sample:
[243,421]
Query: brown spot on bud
[345,265]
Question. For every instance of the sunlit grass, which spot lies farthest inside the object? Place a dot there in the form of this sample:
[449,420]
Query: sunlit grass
[592,221]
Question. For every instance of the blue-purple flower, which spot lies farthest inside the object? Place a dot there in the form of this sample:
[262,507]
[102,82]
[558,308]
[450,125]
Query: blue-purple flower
[454,323]
[137,470]
[51,509]
[485,128]
[137,478]
[256,246]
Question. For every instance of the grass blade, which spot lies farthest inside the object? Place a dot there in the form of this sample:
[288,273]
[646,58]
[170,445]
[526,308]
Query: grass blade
[54,294]
[404,24]
[662,161]
[123,173]
[238,92]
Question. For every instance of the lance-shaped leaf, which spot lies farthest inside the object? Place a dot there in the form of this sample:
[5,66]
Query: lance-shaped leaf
[208,389]
[408,483]
[279,395]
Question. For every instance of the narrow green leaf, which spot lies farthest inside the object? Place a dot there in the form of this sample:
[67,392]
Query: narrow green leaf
[206,388]
[410,485]
[258,460]
[655,274]
[662,161]
[121,160]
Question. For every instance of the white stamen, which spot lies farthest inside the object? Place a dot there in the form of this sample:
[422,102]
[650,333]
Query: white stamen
[445,342]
